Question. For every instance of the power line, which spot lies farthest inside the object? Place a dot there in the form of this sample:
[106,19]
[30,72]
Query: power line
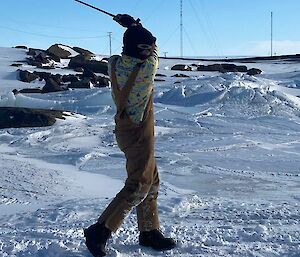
[190,41]
[170,36]
[49,36]
[208,33]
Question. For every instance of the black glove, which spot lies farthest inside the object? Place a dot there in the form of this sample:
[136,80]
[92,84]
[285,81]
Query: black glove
[126,20]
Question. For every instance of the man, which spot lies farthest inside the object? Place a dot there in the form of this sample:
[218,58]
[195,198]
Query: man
[132,76]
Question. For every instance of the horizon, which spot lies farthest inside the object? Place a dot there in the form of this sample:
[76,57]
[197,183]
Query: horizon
[210,28]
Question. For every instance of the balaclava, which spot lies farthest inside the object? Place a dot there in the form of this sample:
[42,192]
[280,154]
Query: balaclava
[134,36]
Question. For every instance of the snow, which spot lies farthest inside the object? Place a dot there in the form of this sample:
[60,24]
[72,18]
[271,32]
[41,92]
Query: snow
[68,49]
[227,148]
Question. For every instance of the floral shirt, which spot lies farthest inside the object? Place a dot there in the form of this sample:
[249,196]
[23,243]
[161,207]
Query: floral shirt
[143,87]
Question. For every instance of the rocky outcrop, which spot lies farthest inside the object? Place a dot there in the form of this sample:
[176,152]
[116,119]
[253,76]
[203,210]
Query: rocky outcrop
[87,63]
[83,51]
[182,67]
[58,51]
[21,47]
[180,75]
[160,75]
[52,85]
[254,71]
[85,83]
[27,76]
[223,67]
[13,117]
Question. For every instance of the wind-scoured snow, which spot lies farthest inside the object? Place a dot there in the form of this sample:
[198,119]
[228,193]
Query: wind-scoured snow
[227,147]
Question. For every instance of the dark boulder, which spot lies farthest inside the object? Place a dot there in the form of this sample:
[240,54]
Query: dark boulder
[16,64]
[35,51]
[27,76]
[89,74]
[12,117]
[21,47]
[102,82]
[52,86]
[180,76]
[97,66]
[254,71]
[224,67]
[83,51]
[69,78]
[86,62]
[242,68]
[85,83]
[79,61]
[79,69]
[181,67]
[59,51]
[30,91]
[160,75]
[43,75]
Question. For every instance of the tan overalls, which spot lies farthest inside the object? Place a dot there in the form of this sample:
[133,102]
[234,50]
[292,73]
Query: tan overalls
[137,143]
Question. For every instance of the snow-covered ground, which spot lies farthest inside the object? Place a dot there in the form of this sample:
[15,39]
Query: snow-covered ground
[227,147]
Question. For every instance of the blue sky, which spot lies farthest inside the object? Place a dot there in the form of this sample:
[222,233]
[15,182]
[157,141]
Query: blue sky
[211,27]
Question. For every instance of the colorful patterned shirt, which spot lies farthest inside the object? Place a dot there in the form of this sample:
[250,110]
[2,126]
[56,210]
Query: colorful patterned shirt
[143,87]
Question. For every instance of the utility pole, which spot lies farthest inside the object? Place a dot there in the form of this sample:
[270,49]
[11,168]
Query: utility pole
[271,33]
[181,28]
[110,37]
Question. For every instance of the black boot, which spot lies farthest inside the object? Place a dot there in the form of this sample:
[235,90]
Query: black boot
[156,240]
[96,237]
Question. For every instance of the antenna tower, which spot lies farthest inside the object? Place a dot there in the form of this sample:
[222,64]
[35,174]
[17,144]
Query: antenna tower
[110,37]
[271,33]
[181,28]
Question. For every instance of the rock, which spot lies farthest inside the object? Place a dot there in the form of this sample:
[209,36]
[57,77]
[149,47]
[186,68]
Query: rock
[35,51]
[89,74]
[16,64]
[85,62]
[180,76]
[42,58]
[58,51]
[160,75]
[242,68]
[102,82]
[83,51]
[51,86]
[181,67]
[21,47]
[97,66]
[13,117]
[79,61]
[43,75]
[254,71]
[224,67]
[30,91]
[79,69]
[85,83]
[26,76]
[69,78]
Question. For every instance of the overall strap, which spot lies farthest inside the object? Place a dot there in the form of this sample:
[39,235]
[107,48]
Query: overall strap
[121,96]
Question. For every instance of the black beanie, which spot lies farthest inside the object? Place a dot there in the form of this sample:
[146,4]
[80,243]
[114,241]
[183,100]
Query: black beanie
[134,36]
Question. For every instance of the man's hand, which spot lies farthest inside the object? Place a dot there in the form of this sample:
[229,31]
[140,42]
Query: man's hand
[126,20]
